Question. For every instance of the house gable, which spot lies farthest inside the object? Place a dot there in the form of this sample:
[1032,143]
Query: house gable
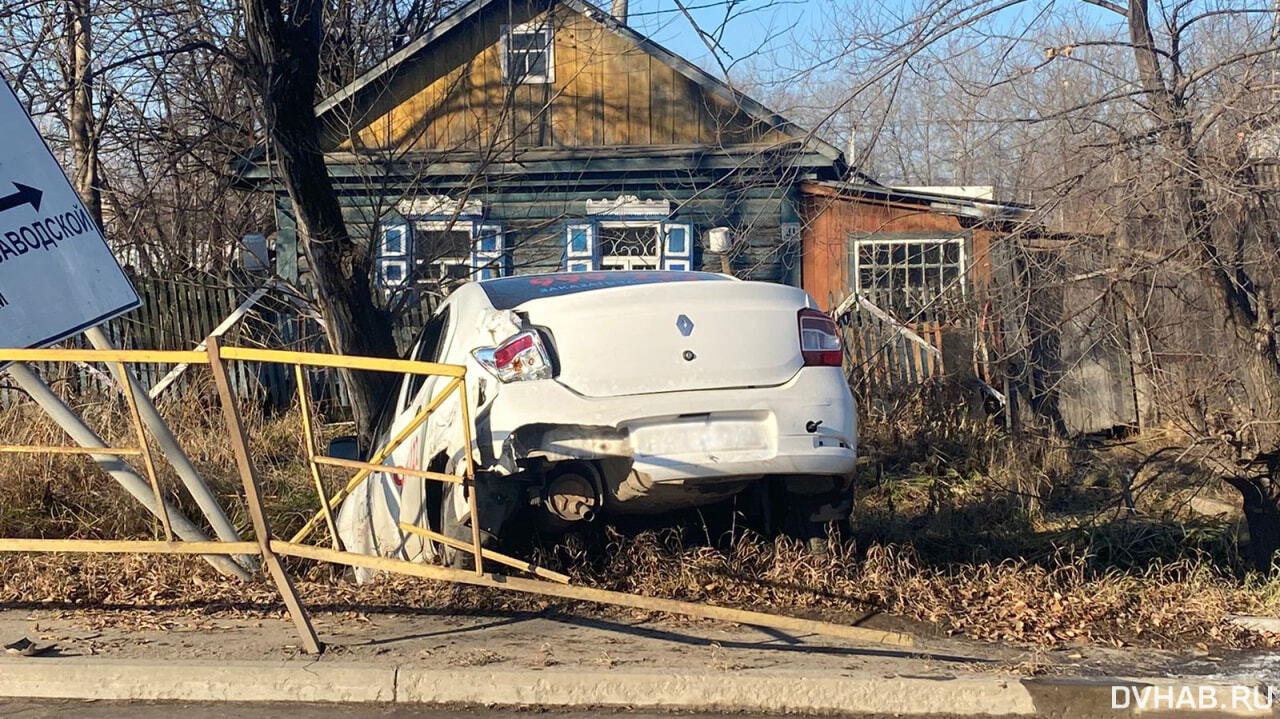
[610,88]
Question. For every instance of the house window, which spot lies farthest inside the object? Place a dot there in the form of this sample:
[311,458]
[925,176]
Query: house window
[630,244]
[432,251]
[909,275]
[527,54]
[442,252]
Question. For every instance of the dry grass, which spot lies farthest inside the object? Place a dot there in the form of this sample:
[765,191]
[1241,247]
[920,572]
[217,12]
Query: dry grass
[1063,601]
[66,496]
[954,527]
[1172,605]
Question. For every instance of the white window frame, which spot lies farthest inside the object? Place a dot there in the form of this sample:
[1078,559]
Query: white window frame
[960,264]
[464,261]
[549,50]
[487,264]
[385,230]
[672,260]
[384,265]
[583,261]
[634,262]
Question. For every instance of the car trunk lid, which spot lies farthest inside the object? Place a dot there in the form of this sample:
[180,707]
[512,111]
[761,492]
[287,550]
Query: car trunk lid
[673,337]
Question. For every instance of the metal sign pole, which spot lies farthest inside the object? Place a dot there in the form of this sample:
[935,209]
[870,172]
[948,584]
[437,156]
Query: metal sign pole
[119,470]
[173,451]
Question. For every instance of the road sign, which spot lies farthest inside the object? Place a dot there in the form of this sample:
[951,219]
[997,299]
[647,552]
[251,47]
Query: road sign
[57,275]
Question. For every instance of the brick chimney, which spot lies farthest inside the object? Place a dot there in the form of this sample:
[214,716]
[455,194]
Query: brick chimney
[619,10]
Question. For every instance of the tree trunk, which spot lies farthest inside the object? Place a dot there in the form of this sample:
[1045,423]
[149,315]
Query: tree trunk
[81,126]
[285,57]
[1262,515]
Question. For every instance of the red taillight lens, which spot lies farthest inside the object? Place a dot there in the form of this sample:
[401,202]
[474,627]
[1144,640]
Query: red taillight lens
[510,351]
[521,357]
[819,339]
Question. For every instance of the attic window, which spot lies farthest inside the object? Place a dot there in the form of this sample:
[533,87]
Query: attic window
[527,54]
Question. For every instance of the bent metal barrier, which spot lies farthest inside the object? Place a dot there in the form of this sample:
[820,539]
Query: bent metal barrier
[270,548]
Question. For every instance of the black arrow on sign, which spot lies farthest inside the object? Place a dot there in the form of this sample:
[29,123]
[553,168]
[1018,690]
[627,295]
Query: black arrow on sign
[25,195]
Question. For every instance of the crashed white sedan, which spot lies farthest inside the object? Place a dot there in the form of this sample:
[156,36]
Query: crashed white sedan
[616,392]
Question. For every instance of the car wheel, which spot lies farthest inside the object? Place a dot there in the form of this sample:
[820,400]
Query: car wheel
[497,503]
[808,505]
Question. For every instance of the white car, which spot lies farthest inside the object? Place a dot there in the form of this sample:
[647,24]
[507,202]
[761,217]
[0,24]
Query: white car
[616,392]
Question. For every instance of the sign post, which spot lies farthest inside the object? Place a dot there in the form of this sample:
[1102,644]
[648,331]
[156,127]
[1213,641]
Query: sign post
[58,278]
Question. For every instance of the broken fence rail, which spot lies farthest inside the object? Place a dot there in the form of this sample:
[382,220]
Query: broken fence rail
[270,549]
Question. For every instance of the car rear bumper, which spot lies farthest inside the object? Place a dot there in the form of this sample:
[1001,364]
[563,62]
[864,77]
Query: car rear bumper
[807,425]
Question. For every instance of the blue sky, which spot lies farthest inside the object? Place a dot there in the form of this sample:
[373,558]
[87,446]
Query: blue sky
[753,23]
[777,25]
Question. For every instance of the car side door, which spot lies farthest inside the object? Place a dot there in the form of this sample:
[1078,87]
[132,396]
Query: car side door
[415,392]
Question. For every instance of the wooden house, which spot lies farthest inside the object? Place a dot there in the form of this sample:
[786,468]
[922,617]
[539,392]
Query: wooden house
[535,135]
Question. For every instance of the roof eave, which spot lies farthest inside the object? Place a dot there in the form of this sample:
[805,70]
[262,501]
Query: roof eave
[936,202]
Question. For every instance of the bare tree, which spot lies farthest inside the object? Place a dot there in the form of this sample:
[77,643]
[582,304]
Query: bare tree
[284,45]
[83,126]
[1147,135]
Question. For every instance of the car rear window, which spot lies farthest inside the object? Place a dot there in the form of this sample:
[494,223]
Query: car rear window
[510,292]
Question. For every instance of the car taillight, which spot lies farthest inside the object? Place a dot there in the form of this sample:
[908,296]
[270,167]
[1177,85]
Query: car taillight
[521,357]
[819,340]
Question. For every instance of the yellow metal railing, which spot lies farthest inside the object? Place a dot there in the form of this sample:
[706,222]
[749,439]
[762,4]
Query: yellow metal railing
[270,549]
[216,357]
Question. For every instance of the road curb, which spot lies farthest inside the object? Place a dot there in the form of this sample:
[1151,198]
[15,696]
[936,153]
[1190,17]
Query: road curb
[721,691]
[124,680]
[322,681]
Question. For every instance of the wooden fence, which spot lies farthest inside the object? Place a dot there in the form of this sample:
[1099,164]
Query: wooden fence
[884,358]
[178,313]
[884,361]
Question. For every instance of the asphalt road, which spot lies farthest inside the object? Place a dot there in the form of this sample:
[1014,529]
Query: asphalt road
[51,709]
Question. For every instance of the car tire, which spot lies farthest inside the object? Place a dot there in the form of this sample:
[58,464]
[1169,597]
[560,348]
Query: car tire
[496,505]
[454,529]
[805,507]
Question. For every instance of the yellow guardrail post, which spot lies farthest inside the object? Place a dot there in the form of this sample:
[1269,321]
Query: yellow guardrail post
[253,497]
[470,484]
[309,443]
[132,401]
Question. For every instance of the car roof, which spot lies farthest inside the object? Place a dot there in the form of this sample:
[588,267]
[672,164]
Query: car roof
[507,293]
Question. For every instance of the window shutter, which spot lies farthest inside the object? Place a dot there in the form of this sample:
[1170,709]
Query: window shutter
[579,248]
[393,253]
[677,246]
[488,252]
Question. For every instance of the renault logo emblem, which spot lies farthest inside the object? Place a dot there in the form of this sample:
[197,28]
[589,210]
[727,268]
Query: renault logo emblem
[685,325]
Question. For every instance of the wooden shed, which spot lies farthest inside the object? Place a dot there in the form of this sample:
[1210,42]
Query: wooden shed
[902,265]
[904,249]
